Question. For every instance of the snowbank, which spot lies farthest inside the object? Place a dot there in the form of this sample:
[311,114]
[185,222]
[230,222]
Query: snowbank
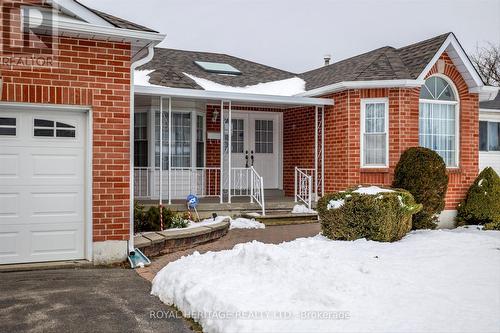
[301,209]
[239,223]
[243,223]
[430,281]
[287,87]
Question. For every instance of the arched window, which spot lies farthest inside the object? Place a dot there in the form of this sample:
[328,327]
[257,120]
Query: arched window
[438,118]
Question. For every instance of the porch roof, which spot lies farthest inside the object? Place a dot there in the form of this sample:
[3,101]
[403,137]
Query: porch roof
[196,94]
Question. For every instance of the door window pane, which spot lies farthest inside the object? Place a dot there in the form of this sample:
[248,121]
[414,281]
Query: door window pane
[237,136]
[50,128]
[264,136]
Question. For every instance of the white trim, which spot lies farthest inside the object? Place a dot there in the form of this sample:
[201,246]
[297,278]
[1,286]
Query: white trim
[92,30]
[30,107]
[452,40]
[76,9]
[235,97]
[362,85]
[363,103]
[457,115]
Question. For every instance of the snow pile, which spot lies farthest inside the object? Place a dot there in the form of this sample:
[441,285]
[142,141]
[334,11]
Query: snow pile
[430,281]
[239,223]
[302,209]
[335,204]
[243,223]
[287,87]
[371,190]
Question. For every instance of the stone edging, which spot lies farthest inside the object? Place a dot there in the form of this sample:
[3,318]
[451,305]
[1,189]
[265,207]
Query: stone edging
[173,240]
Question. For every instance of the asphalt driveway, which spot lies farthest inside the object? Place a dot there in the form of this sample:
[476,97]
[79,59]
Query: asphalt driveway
[83,300]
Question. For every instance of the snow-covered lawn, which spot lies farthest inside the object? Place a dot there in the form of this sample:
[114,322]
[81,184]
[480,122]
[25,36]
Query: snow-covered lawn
[239,223]
[430,281]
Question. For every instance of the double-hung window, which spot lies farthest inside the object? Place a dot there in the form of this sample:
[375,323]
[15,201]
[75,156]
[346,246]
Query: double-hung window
[438,119]
[374,133]
[489,136]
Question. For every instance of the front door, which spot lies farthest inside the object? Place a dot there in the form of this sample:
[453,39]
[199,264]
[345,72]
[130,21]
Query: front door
[256,140]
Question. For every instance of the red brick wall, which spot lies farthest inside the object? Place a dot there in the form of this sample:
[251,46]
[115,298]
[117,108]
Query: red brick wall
[342,137]
[95,74]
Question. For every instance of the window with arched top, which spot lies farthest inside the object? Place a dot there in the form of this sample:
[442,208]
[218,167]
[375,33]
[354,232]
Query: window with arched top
[438,118]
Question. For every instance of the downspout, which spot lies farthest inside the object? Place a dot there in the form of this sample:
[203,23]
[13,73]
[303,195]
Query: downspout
[133,66]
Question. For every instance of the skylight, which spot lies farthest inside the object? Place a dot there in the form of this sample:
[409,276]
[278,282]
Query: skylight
[218,67]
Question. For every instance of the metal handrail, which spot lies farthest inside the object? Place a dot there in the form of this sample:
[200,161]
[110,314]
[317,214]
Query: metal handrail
[303,186]
[257,189]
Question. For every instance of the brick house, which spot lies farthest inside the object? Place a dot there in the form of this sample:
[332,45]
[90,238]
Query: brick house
[73,159]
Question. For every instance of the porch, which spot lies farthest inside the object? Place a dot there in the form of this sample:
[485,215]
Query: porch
[226,148]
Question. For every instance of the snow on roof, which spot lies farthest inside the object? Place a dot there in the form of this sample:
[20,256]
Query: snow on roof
[286,87]
[141,78]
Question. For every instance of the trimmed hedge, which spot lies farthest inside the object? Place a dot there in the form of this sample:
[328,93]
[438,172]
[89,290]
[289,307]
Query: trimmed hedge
[482,203]
[422,172]
[384,217]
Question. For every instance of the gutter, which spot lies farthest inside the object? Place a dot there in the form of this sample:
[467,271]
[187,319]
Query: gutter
[133,66]
[332,88]
[232,96]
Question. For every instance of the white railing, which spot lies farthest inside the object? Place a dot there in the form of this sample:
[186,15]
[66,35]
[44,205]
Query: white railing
[257,189]
[304,186]
[142,183]
[203,182]
[240,182]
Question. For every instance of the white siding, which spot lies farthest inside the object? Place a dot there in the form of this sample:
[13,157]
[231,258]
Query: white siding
[489,159]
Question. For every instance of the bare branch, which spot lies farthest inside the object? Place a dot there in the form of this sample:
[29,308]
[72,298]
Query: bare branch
[487,62]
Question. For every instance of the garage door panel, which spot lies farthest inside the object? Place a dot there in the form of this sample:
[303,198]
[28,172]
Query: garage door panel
[13,244]
[56,206]
[42,192]
[56,239]
[9,165]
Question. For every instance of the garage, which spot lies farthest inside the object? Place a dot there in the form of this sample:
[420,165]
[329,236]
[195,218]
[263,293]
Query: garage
[42,185]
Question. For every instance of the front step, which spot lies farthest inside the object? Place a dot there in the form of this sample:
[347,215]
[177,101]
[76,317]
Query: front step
[279,217]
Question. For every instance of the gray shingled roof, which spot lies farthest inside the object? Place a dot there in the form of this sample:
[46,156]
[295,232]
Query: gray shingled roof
[170,64]
[386,63]
[492,105]
[117,21]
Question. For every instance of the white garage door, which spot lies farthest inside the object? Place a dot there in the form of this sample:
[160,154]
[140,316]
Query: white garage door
[42,192]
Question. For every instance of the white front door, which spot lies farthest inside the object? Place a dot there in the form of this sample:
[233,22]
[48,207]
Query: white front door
[42,186]
[256,140]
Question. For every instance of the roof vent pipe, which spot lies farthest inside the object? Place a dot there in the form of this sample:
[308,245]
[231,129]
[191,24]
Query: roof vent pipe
[327,58]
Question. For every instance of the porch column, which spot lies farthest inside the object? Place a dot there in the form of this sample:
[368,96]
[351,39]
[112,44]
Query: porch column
[169,151]
[316,153]
[229,151]
[322,151]
[221,185]
[160,192]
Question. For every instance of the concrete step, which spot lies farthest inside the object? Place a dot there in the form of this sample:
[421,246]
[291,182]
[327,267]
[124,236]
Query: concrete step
[281,217]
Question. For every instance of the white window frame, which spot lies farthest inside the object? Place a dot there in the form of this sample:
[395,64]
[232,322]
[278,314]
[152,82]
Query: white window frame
[457,115]
[364,102]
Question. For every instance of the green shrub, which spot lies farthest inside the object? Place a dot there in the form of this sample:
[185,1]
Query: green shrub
[150,220]
[482,203]
[384,217]
[179,221]
[422,172]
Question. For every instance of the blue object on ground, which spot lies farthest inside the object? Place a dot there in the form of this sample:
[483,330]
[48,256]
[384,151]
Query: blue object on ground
[138,259]
[192,201]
